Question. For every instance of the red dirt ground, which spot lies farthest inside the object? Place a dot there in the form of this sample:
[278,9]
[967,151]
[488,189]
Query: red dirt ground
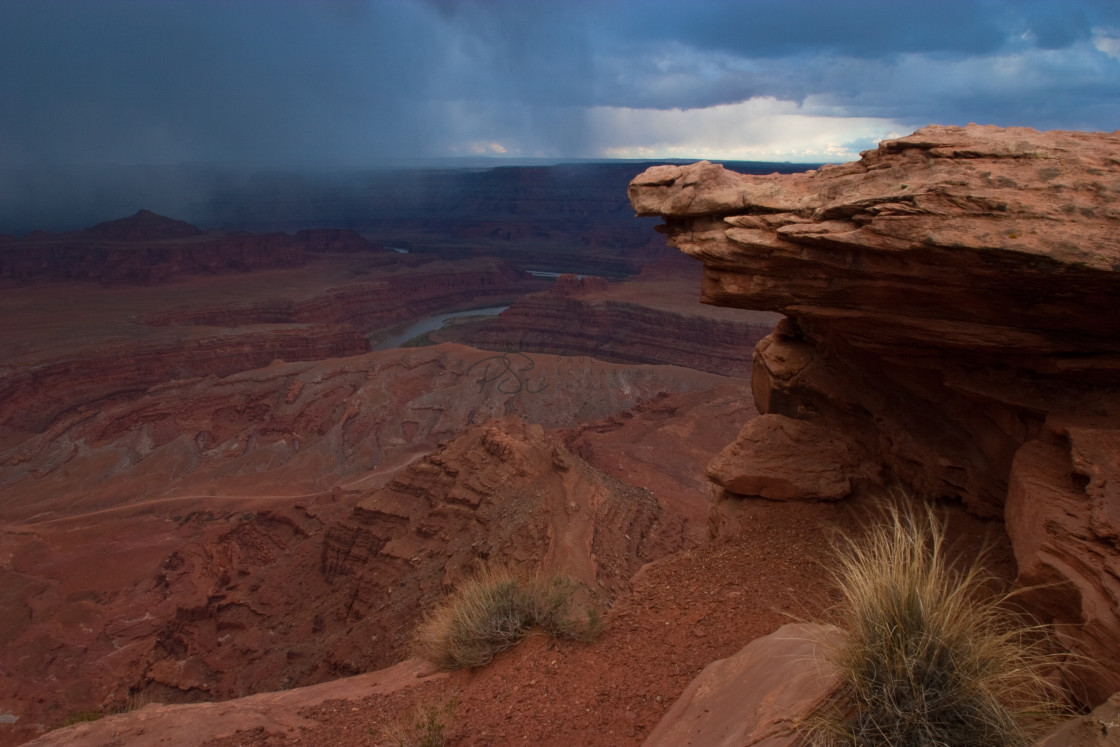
[685,611]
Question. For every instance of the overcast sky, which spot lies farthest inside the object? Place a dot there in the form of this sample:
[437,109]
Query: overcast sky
[355,81]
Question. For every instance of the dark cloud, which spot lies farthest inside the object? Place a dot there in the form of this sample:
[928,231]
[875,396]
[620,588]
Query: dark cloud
[788,28]
[166,82]
[358,81]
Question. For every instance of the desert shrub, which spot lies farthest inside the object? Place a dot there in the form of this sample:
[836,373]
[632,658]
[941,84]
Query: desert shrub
[929,655]
[494,610]
[426,725]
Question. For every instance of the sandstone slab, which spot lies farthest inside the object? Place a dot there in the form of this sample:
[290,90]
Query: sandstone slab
[276,714]
[1100,728]
[759,696]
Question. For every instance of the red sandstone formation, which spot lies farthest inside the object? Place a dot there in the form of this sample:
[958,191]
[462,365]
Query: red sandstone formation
[502,493]
[217,536]
[757,697]
[653,318]
[951,325]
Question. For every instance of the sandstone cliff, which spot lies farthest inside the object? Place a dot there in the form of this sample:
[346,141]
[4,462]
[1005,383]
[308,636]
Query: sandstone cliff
[950,326]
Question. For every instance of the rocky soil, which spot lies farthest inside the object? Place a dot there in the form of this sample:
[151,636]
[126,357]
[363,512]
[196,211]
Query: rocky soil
[684,611]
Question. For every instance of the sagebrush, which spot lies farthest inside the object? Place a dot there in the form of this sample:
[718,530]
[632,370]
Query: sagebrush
[930,655]
[496,609]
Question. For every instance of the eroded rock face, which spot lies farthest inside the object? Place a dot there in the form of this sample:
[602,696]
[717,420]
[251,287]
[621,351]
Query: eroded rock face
[504,493]
[950,314]
[818,462]
[215,537]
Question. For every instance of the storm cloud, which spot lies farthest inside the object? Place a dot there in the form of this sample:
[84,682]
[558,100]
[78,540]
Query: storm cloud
[355,83]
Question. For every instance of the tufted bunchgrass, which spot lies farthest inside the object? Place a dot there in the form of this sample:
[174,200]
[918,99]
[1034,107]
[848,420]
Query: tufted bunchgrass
[496,609]
[930,655]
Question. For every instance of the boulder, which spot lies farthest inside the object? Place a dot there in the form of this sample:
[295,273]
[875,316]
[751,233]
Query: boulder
[783,459]
[759,696]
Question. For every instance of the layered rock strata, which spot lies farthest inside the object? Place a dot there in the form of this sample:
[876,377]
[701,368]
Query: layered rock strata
[393,297]
[621,332]
[653,318]
[503,493]
[305,427]
[950,326]
[34,396]
[80,359]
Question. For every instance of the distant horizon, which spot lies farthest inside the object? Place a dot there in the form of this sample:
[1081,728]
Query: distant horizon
[73,197]
[417,162]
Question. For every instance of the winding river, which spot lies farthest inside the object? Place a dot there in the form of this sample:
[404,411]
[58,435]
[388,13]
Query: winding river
[430,324]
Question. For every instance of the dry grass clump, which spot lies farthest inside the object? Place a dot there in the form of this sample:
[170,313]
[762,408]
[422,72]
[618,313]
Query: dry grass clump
[929,656]
[426,725]
[494,610]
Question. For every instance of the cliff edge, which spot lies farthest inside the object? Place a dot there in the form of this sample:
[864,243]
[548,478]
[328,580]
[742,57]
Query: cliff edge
[950,327]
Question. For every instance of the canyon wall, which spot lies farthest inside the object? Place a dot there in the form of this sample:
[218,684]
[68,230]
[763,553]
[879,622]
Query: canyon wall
[622,332]
[33,397]
[150,248]
[951,328]
[652,318]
